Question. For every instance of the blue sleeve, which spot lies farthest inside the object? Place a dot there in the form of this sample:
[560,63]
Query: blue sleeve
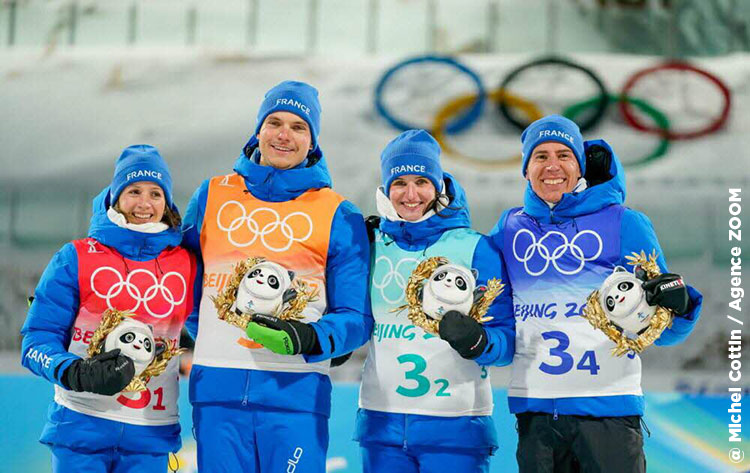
[496,234]
[347,323]
[48,327]
[501,330]
[637,234]
[191,239]
[191,323]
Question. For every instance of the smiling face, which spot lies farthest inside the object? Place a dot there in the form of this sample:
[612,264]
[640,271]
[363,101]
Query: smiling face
[284,140]
[411,196]
[552,171]
[142,202]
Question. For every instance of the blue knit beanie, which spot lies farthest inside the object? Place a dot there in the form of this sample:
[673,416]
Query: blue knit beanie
[298,98]
[553,128]
[412,152]
[140,163]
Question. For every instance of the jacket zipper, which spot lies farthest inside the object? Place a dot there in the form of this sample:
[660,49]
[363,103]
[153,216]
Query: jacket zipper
[405,427]
[247,387]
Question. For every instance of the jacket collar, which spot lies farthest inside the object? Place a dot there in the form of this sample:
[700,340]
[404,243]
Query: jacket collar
[276,185]
[129,243]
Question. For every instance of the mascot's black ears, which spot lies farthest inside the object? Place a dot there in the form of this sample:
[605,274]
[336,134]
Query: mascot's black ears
[289,295]
[475,273]
[291,275]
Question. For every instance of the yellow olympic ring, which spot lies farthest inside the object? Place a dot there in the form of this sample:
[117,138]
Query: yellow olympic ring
[459,104]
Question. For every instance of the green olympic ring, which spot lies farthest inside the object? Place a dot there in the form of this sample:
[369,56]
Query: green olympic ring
[661,120]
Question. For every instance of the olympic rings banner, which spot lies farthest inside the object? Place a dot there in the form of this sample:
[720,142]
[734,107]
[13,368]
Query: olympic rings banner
[668,101]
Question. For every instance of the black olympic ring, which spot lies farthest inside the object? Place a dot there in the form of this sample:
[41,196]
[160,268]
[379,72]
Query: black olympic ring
[601,100]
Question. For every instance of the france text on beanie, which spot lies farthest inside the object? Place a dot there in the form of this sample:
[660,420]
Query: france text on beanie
[298,98]
[140,163]
[553,128]
[412,152]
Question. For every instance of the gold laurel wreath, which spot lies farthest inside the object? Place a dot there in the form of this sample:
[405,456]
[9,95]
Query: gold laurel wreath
[661,319]
[226,299]
[110,320]
[414,304]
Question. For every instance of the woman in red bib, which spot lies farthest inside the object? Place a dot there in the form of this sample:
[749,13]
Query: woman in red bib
[131,261]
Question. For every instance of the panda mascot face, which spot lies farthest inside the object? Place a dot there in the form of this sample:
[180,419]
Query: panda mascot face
[450,287]
[263,289]
[623,300]
[135,340]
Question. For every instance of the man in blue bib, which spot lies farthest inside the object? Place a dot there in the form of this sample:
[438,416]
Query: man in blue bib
[578,407]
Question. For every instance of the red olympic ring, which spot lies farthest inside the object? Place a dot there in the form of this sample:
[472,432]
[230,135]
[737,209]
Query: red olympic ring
[634,121]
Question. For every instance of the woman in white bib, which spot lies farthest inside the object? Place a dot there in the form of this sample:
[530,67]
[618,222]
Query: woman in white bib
[426,401]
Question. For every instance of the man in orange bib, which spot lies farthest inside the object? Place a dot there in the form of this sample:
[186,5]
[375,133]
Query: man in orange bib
[261,399]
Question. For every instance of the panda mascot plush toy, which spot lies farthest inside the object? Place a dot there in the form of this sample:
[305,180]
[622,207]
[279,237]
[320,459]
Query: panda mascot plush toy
[264,289]
[135,339]
[450,287]
[624,302]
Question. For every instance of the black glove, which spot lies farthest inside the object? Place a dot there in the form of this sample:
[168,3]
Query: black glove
[340,360]
[371,223]
[668,290]
[285,337]
[464,334]
[106,373]
[598,162]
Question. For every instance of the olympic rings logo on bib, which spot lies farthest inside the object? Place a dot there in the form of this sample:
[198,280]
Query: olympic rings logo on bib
[265,223]
[157,291]
[396,275]
[569,251]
